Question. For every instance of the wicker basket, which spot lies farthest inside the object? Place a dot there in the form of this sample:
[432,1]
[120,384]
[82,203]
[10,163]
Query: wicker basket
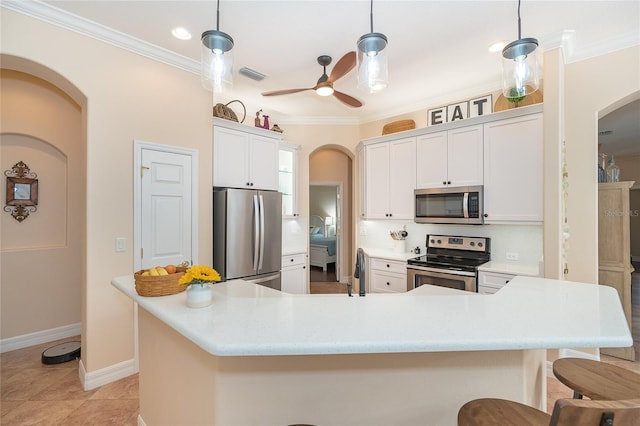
[223,111]
[162,285]
[398,126]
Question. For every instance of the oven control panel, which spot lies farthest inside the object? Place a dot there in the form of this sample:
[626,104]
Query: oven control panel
[458,243]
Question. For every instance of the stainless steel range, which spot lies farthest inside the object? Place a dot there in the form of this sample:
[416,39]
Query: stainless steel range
[450,262]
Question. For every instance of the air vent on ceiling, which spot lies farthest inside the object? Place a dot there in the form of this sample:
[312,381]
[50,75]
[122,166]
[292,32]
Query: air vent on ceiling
[252,74]
[605,132]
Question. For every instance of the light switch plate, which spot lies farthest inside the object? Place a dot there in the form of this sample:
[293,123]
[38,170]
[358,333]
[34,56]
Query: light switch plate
[121,244]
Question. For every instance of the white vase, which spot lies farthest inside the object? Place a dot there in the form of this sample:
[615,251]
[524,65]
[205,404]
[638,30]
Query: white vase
[199,295]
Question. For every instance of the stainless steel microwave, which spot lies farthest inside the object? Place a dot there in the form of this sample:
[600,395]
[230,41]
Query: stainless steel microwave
[459,205]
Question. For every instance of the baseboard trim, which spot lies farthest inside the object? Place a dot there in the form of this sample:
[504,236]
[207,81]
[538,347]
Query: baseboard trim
[570,353]
[106,375]
[44,336]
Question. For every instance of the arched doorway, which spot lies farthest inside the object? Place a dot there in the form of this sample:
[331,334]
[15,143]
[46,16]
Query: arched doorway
[331,204]
[43,125]
[619,138]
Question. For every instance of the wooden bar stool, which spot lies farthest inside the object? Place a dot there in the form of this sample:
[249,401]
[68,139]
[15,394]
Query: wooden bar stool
[596,379]
[566,412]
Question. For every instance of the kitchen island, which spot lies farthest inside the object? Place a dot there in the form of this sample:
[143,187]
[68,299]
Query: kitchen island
[259,356]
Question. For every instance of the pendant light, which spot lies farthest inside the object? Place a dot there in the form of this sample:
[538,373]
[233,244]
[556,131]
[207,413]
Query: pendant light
[216,58]
[373,72]
[520,66]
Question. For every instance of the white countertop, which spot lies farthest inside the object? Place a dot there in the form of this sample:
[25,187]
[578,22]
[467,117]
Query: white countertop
[389,254]
[511,268]
[528,313]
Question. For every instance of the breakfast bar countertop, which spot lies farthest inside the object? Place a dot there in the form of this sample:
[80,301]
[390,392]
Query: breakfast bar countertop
[246,319]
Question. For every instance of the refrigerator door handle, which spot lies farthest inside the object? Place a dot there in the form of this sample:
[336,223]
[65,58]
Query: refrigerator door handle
[256,232]
[260,262]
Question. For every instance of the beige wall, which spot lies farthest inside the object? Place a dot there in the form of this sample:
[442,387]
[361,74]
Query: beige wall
[593,86]
[128,97]
[42,256]
[322,199]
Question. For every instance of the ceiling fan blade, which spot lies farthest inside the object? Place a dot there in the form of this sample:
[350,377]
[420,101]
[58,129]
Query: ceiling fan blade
[343,66]
[285,92]
[346,99]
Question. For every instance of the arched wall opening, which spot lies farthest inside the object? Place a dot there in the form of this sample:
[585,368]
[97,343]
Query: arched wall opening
[43,257]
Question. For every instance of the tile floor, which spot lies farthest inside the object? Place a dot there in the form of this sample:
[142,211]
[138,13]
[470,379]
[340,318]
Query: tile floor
[38,394]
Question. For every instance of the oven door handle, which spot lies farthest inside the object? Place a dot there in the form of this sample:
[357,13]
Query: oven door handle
[441,272]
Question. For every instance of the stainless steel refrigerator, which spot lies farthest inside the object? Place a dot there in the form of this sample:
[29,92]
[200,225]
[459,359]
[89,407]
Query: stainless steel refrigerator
[247,235]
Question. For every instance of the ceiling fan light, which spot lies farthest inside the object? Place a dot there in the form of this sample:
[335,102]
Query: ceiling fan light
[324,90]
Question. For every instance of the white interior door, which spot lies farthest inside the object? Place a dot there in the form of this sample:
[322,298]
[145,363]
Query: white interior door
[165,208]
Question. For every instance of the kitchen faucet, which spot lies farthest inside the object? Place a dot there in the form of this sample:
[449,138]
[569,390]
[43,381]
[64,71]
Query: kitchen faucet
[359,271]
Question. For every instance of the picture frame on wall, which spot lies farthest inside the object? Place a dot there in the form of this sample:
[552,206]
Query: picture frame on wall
[21,191]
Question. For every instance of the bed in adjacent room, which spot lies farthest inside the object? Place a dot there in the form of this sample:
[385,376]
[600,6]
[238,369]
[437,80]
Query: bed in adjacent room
[322,243]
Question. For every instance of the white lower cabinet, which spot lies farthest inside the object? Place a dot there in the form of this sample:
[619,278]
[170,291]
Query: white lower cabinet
[387,276]
[490,282]
[293,275]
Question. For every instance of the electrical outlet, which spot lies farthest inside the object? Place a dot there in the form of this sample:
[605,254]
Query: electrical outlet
[121,244]
[512,256]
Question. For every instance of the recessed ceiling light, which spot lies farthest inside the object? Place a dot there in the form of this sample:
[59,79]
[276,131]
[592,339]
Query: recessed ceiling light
[497,47]
[181,33]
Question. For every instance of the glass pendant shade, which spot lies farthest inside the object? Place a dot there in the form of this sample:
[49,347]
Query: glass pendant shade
[216,61]
[520,68]
[372,62]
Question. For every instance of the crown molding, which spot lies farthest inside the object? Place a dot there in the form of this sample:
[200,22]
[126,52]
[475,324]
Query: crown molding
[58,17]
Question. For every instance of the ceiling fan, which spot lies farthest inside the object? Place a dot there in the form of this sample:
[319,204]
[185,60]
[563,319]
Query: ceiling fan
[324,86]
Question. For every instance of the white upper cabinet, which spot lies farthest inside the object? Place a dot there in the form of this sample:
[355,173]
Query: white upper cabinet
[244,159]
[513,170]
[389,171]
[288,178]
[450,158]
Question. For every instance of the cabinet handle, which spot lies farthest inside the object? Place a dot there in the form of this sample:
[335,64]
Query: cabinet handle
[304,267]
[388,283]
[248,184]
[387,265]
[448,182]
[486,215]
[444,182]
[292,260]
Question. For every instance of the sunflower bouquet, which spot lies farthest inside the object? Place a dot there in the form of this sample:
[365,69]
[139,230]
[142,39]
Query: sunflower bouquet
[198,274]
